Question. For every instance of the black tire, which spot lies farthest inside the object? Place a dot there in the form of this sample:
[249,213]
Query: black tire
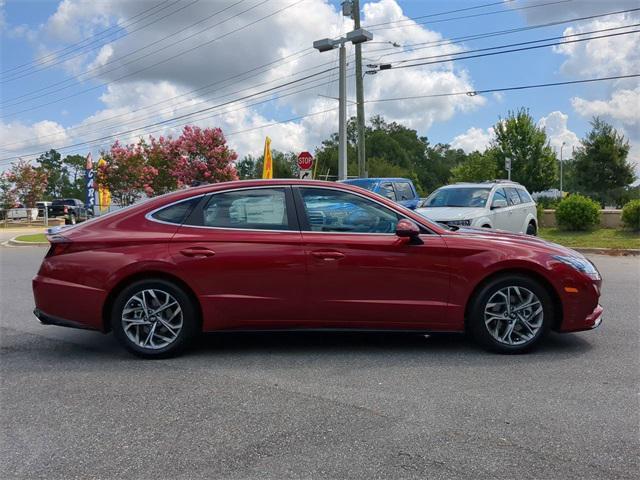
[531,229]
[188,330]
[481,332]
[486,226]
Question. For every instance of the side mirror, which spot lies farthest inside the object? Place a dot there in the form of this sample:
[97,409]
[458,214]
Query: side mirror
[499,203]
[407,229]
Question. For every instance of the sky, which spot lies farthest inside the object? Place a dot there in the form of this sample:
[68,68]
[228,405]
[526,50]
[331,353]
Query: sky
[79,74]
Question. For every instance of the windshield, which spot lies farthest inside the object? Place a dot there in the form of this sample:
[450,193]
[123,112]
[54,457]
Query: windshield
[458,197]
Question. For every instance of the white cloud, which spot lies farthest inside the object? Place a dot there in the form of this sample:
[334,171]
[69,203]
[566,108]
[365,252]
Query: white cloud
[622,106]
[38,135]
[555,126]
[473,139]
[213,64]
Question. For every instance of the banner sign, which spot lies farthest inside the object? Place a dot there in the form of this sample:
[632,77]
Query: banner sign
[89,177]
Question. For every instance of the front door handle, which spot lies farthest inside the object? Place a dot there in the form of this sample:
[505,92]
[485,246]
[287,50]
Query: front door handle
[327,255]
[197,252]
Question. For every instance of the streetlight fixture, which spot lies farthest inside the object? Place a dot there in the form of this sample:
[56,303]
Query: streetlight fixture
[359,35]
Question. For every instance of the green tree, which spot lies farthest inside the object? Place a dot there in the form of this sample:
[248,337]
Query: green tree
[75,166]
[533,161]
[285,165]
[601,165]
[57,179]
[477,167]
[7,196]
[435,170]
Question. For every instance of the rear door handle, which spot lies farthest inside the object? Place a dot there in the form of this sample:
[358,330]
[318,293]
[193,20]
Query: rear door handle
[197,252]
[327,255]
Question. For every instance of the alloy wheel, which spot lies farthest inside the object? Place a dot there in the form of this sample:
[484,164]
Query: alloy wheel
[513,315]
[152,319]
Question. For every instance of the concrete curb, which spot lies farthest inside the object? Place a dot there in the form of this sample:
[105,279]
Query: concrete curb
[614,252]
[18,243]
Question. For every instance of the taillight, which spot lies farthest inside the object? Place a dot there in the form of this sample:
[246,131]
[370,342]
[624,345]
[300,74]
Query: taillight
[59,245]
[66,209]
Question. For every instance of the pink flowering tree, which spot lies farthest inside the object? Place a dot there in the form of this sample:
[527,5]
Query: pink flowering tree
[29,182]
[203,156]
[126,173]
[162,154]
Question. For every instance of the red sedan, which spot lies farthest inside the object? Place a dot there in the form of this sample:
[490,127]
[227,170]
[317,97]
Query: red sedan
[288,254]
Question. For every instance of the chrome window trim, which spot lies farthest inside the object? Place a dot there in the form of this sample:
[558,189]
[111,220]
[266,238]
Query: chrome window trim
[148,215]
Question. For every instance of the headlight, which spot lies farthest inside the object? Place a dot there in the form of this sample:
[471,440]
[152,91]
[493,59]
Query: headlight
[461,223]
[581,264]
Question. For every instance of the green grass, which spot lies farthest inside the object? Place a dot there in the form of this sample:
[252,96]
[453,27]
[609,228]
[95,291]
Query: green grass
[599,238]
[35,238]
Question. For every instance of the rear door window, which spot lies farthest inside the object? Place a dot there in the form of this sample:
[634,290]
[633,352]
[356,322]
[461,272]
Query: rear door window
[386,190]
[404,191]
[512,195]
[255,209]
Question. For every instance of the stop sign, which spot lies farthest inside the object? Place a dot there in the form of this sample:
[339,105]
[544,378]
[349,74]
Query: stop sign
[305,161]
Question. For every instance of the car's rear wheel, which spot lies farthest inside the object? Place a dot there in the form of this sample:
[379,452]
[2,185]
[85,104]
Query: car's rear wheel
[154,318]
[531,229]
[511,314]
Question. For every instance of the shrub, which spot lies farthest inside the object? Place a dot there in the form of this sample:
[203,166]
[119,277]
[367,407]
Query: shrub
[577,213]
[631,215]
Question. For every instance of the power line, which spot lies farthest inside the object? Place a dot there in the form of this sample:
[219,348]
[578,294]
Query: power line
[495,12]
[414,97]
[100,70]
[189,50]
[509,51]
[206,87]
[47,65]
[442,13]
[479,36]
[532,42]
[97,34]
[473,93]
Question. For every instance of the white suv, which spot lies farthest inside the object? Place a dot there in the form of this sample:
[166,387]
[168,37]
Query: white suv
[497,204]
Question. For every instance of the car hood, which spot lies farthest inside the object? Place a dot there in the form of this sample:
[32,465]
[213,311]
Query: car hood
[451,213]
[527,241]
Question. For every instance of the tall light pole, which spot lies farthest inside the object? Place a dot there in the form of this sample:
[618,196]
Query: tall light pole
[356,37]
[561,147]
[362,166]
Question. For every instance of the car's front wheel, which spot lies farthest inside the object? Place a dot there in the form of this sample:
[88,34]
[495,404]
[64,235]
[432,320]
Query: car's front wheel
[510,314]
[153,318]
[531,229]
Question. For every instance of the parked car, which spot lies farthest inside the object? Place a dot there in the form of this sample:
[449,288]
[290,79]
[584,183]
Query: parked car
[401,190]
[277,255]
[42,207]
[498,204]
[72,209]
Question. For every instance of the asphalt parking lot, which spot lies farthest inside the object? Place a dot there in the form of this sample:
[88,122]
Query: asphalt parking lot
[276,406]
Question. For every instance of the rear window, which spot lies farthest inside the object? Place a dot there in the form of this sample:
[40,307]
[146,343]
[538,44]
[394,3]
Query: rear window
[176,213]
[64,202]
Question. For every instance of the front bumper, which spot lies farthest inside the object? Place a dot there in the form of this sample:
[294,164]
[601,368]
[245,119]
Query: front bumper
[591,321]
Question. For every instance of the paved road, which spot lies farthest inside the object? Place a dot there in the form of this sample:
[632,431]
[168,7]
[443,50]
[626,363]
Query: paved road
[74,405]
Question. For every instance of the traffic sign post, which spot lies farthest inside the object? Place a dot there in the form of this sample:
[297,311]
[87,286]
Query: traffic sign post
[507,166]
[305,162]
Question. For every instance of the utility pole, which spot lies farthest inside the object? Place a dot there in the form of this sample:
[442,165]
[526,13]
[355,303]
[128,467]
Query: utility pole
[561,147]
[356,37]
[342,115]
[362,165]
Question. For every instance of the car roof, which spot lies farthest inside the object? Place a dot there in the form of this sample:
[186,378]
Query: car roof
[375,179]
[487,184]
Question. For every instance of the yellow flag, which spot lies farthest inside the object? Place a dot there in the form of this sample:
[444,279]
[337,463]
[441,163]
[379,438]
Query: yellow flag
[104,195]
[267,167]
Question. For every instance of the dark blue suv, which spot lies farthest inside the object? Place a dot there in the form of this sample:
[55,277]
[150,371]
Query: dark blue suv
[399,190]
